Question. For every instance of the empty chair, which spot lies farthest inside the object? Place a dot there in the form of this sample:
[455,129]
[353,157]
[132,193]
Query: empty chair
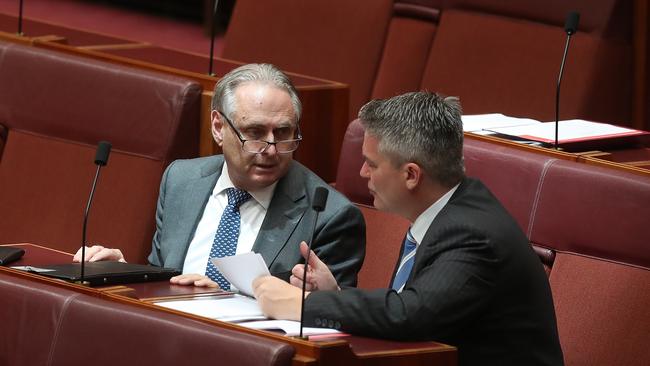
[57,107]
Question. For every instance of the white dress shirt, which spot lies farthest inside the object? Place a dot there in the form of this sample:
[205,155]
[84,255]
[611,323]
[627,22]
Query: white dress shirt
[422,223]
[252,214]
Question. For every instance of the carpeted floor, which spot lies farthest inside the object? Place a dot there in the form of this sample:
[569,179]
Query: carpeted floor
[119,22]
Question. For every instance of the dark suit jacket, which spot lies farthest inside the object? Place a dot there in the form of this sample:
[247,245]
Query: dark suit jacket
[339,239]
[475,284]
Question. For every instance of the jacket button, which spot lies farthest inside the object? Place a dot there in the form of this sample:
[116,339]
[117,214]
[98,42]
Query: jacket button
[337,325]
[317,322]
[330,324]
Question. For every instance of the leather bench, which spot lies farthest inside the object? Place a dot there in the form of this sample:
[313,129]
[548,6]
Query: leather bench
[46,324]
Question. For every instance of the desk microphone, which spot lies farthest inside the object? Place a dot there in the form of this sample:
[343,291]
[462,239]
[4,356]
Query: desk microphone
[101,159]
[570,27]
[318,204]
[213,24]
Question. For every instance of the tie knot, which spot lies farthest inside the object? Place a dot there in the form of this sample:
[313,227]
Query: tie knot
[236,197]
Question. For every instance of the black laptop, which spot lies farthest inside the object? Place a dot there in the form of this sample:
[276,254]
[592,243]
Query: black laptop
[104,273]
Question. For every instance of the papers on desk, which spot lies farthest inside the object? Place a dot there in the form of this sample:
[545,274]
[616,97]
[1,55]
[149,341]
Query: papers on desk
[242,310]
[231,309]
[289,327]
[240,270]
[569,131]
[482,124]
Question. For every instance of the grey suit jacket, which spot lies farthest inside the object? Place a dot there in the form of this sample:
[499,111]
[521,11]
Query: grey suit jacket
[475,284]
[339,239]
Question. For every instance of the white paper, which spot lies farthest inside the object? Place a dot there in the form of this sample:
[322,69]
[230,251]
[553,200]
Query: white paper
[230,309]
[32,269]
[240,270]
[289,327]
[483,123]
[568,131]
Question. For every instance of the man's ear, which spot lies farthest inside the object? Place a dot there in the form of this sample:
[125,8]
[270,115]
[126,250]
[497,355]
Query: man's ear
[413,174]
[216,127]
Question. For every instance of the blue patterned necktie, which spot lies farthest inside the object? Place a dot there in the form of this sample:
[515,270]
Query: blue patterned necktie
[225,241]
[406,263]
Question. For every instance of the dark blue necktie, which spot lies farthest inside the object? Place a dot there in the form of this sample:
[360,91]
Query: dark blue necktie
[406,263]
[225,241]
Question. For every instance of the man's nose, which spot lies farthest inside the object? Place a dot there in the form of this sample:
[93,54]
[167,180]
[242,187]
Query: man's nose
[364,170]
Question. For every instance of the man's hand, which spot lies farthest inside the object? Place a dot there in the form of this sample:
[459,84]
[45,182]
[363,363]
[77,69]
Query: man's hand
[319,276]
[193,279]
[99,253]
[278,299]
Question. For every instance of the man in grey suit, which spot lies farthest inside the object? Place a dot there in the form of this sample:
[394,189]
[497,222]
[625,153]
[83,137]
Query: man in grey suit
[467,275]
[255,114]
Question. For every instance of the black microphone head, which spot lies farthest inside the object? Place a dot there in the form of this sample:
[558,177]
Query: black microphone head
[103,150]
[571,24]
[320,199]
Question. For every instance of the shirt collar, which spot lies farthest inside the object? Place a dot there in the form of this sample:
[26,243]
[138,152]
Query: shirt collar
[422,223]
[262,196]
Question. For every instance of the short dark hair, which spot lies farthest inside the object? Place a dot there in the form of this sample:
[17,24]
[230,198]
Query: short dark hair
[420,127]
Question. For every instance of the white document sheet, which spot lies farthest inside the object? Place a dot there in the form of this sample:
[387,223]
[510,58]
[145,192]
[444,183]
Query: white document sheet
[482,123]
[568,131]
[229,309]
[240,270]
[289,327]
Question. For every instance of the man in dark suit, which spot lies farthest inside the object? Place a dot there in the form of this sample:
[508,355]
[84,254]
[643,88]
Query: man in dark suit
[467,275]
[255,114]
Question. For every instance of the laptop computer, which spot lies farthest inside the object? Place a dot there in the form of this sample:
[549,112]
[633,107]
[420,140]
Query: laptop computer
[104,273]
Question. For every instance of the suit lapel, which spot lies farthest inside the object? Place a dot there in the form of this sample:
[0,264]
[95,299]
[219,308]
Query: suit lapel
[195,196]
[285,212]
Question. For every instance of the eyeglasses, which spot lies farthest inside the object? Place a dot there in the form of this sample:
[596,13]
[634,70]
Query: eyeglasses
[260,146]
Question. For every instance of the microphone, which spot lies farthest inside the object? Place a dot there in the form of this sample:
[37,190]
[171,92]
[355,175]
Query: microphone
[101,159]
[318,205]
[20,18]
[213,24]
[570,27]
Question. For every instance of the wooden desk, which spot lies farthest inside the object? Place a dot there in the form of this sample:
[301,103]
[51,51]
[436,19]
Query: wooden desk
[349,350]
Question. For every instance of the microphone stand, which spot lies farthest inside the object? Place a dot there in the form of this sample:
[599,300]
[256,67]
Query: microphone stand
[318,204]
[101,159]
[570,27]
[557,90]
[20,18]
[304,277]
[213,24]
[83,234]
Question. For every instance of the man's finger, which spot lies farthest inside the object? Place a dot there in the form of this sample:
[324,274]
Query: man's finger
[314,261]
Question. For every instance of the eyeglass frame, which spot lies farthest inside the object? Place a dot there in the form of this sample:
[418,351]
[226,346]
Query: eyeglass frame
[268,143]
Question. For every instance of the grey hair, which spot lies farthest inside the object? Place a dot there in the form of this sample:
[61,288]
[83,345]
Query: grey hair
[420,127]
[223,99]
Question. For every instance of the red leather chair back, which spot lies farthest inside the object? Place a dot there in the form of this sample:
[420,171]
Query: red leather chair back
[348,180]
[339,40]
[57,107]
[506,65]
[384,236]
[602,311]
[594,211]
